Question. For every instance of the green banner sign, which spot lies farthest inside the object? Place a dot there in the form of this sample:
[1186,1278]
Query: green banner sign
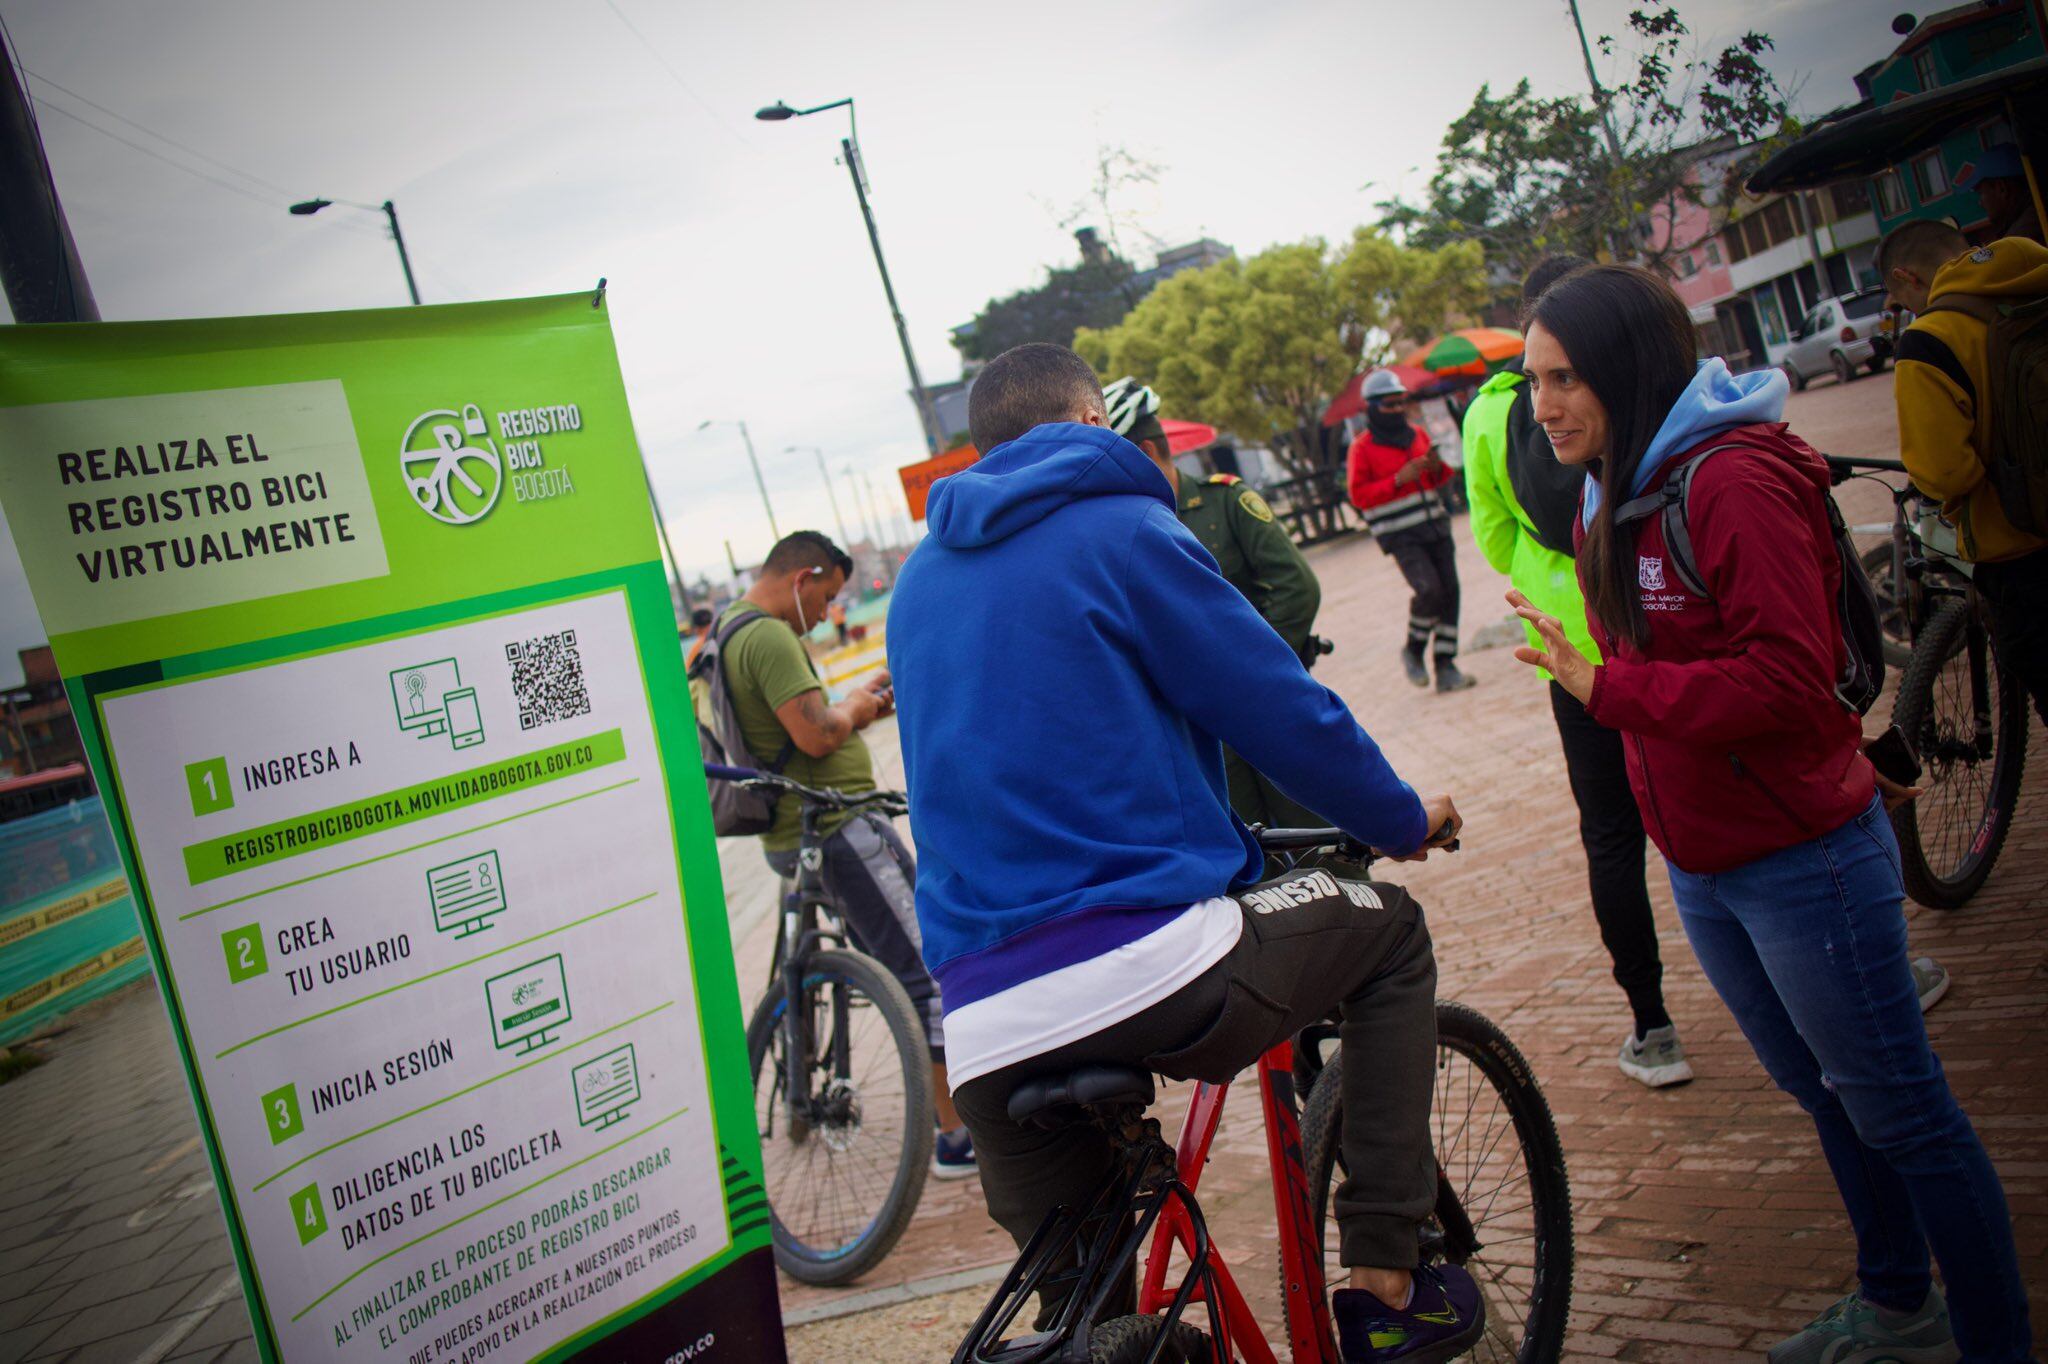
[366,632]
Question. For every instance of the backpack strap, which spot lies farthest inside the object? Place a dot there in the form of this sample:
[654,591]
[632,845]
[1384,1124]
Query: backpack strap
[1671,501]
[724,636]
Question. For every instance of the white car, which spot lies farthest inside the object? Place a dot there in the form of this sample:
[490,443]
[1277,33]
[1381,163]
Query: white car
[1835,336]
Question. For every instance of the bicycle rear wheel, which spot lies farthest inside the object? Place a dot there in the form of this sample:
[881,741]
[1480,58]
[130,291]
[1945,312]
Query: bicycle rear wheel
[1968,719]
[1503,1207]
[843,1182]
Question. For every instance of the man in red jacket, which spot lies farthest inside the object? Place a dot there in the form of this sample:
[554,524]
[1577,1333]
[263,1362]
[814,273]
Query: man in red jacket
[1394,476]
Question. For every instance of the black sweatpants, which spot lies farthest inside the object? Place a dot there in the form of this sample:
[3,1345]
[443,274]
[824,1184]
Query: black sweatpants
[1354,946]
[1428,557]
[872,878]
[2016,590]
[1611,828]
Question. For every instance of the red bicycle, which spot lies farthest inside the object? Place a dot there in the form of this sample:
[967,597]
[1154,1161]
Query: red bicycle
[1503,1205]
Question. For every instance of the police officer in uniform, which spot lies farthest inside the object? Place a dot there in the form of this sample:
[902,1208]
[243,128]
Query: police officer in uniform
[1257,557]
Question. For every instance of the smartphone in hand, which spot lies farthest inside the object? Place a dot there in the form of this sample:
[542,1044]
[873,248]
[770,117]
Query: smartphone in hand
[1891,753]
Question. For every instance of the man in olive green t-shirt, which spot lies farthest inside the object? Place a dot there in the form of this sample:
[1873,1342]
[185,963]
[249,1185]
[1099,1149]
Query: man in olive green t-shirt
[784,715]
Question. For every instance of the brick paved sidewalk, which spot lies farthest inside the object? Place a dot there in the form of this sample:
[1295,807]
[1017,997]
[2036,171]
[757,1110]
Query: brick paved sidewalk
[1706,1223]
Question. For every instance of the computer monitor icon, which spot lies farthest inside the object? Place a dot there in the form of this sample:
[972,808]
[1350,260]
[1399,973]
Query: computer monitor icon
[420,692]
[606,1087]
[527,1004]
[467,894]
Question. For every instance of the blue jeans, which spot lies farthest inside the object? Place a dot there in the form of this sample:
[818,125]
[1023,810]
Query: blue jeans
[1807,947]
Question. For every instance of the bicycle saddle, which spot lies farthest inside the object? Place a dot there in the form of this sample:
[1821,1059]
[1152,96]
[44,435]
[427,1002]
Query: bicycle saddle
[1061,1099]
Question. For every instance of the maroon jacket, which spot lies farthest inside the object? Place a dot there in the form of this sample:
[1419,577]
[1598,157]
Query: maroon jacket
[1736,745]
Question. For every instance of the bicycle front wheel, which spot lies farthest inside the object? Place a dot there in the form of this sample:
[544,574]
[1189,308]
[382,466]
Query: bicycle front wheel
[1503,1203]
[1967,717]
[843,1173]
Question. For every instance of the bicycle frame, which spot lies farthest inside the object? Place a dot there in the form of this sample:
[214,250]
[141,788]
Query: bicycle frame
[1310,1336]
[797,936]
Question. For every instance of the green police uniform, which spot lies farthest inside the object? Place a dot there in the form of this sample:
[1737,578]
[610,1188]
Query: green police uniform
[1259,559]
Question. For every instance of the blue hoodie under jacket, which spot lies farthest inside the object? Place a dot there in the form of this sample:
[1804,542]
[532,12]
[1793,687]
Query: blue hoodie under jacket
[1067,658]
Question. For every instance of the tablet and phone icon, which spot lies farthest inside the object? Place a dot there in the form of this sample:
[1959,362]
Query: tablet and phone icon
[431,700]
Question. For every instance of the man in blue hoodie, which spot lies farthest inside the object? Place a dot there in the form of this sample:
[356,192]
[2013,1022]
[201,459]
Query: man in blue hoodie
[1068,664]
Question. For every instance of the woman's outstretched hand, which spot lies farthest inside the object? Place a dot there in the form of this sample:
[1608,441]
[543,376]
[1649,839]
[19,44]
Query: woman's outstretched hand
[1559,656]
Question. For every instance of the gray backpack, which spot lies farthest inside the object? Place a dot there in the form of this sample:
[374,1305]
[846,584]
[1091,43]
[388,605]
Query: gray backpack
[735,810]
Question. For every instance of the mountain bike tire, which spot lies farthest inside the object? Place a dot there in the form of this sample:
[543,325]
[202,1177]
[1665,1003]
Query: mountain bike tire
[1942,871]
[1527,1279]
[1129,1340]
[808,1247]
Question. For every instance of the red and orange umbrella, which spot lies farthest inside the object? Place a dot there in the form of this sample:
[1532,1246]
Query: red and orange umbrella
[1474,350]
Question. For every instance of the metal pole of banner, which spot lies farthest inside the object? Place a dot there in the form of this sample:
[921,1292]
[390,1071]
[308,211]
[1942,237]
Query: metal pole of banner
[39,265]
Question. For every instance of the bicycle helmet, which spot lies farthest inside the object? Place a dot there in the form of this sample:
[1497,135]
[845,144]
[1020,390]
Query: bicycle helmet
[1128,404]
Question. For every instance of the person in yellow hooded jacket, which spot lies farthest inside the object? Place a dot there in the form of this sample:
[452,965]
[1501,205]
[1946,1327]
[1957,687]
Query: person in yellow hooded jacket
[1943,389]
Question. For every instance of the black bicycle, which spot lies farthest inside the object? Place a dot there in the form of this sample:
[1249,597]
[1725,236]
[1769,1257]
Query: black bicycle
[1503,1204]
[1962,711]
[842,1073]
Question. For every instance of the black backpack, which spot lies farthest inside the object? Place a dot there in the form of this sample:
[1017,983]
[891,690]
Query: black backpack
[735,810]
[1862,674]
[2012,419]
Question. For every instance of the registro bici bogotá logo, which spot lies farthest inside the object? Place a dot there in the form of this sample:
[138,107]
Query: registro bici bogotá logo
[455,467]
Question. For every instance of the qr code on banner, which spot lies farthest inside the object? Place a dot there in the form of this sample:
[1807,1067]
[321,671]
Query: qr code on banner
[547,679]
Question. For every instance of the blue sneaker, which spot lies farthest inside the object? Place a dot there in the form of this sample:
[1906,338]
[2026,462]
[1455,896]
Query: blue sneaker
[953,1155]
[1444,1318]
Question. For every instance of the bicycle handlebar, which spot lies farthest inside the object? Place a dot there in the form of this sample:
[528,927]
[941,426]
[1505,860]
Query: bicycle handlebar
[893,801]
[1842,468]
[1294,840]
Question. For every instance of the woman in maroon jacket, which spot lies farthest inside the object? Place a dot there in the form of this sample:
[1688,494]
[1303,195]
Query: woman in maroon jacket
[1752,781]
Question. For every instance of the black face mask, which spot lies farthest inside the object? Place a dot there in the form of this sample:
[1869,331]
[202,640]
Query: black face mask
[1389,428]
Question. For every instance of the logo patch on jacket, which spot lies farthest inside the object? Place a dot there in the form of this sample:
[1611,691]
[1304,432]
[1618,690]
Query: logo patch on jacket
[1650,573]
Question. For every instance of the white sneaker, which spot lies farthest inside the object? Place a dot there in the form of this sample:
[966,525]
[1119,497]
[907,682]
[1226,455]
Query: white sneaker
[1930,982]
[1656,1059]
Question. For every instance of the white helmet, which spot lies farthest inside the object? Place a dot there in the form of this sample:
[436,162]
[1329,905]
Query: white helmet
[1127,403]
[1382,383]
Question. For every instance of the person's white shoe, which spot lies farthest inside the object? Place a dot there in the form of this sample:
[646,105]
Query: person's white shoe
[1656,1058]
[1930,982]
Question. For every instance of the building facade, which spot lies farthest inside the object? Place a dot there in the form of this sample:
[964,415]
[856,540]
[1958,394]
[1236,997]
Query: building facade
[1947,46]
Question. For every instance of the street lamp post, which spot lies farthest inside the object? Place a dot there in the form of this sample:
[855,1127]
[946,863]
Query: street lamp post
[853,491]
[307,207]
[754,460]
[849,150]
[837,519]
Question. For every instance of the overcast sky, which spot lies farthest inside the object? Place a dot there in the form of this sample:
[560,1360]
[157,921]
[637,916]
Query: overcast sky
[532,147]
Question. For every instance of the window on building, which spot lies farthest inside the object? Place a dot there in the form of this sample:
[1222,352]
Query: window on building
[1737,251]
[1994,132]
[1923,68]
[1779,223]
[1930,176]
[1684,266]
[1714,252]
[1891,194]
[1850,198]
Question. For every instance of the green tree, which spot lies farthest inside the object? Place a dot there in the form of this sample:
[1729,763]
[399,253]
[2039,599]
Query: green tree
[1261,347]
[1091,294]
[1525,176]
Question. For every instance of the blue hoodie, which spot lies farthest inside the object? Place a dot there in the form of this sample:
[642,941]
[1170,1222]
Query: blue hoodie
[1714,403]
[1066,659]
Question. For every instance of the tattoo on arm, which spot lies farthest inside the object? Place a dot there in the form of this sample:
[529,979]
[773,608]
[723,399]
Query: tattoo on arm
[825,719]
